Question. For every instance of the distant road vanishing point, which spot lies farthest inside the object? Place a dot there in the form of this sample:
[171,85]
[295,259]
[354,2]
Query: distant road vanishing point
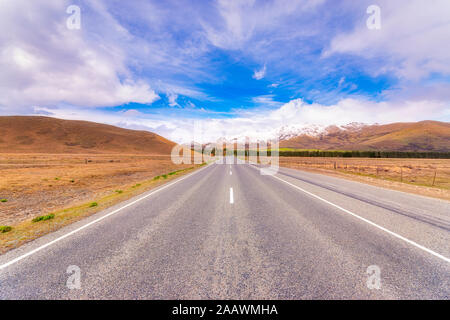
[228,232]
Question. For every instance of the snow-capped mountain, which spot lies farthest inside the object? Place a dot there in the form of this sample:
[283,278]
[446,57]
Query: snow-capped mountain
[314,130]
[413,136]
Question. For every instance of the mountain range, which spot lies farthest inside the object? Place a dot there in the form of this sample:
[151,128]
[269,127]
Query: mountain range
[37,134]
[408,136]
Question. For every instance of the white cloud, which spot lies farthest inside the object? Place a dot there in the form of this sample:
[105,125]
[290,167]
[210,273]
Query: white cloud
[295,114]
[413,41]
[172,97]
[239,21]
[131,113]
[298,114]
[259,74]
[45,63]
[266,100]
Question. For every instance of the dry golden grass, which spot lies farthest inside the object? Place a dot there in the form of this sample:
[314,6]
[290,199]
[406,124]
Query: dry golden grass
[35,184]
[429,177]
[66,185]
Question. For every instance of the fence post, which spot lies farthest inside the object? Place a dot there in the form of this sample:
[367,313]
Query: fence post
[434,178]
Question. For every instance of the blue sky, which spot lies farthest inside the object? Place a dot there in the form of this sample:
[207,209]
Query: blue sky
[290,53]
[234,68]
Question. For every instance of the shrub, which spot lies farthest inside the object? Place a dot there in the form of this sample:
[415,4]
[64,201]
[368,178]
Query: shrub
[43,218]
[93,204]
[164,176]
[119,191]
[3,200]
[4,229]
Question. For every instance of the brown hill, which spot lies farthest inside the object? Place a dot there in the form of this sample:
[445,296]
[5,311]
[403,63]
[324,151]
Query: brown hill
[416,136]
[33,134]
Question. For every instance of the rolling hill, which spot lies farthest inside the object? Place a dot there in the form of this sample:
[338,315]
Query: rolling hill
[36,134]
[415,136]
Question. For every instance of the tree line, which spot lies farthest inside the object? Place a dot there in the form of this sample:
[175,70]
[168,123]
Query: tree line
[353,154]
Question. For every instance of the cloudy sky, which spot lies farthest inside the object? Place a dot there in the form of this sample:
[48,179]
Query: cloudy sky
[226,68]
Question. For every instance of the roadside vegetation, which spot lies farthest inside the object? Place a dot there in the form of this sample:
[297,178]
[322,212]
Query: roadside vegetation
[288,152]
[429,177]
[4,229]
[36,184]
[12,237]
[43,218]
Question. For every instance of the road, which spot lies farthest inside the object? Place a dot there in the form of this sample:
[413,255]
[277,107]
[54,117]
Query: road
[228,232]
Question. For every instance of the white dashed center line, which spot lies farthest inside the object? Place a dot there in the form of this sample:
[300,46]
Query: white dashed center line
[231,196]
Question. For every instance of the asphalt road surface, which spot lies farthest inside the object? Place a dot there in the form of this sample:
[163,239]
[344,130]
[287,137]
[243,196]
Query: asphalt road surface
[228,232]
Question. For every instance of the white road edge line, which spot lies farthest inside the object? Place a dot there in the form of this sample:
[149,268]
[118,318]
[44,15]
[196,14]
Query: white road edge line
[7,264]
[415,244]
[231,196]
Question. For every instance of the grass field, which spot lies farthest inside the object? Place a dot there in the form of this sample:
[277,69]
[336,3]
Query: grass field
[430,177]
[70,187]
